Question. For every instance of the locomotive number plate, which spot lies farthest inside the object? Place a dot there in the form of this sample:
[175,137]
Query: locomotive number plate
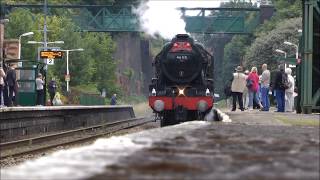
[182,58]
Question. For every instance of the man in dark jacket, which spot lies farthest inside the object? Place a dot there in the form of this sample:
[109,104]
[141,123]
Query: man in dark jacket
[52,88]
[279,88]
[11,82]
[113,99]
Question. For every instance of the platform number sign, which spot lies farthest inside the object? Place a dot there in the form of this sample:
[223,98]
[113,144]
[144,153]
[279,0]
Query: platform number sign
[50,61]
[50,56]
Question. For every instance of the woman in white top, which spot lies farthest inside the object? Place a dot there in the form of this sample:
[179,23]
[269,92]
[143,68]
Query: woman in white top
[40,93]
[289,99]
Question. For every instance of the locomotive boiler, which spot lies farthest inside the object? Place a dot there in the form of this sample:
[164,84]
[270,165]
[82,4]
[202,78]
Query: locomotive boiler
[183,86]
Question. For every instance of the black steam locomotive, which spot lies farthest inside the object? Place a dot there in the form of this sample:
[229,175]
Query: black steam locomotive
[183,85]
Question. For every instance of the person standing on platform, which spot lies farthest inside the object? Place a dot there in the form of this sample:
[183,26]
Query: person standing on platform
[113,99]
[11,79]
[289,99]
[265,83]
[52,88]
[40,93]
[237,87]
[2,84]
[253,86]
[279,87]
[246,93]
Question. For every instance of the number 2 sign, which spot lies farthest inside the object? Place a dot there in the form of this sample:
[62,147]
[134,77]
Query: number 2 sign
[50,61]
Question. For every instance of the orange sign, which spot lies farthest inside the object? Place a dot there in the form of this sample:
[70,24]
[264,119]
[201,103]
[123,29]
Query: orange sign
[51,54]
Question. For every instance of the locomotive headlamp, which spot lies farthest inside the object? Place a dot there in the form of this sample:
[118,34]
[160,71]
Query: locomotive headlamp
[207,92]
[181,92]
[153,92]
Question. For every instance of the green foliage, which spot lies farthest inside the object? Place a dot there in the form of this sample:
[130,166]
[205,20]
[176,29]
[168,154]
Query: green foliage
[285,9]
[94,65]
[269,36]
[87,88]
[263,48]
[21,21]
[234,53]
[134,99]
[93,2]
[157,44]
[129,72]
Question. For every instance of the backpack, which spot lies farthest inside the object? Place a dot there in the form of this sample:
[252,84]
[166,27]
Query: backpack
[285,82]
[249,83]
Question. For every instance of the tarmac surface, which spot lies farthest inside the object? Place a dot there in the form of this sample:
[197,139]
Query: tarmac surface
[255,145]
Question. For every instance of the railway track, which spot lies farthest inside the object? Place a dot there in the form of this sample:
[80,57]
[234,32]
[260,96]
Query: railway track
[46,142]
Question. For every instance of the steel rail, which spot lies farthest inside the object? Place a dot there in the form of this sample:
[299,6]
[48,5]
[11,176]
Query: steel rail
[107,127]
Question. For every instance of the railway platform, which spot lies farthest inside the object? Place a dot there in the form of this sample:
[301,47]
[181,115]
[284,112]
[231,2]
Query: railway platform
[18,123]
[249,147]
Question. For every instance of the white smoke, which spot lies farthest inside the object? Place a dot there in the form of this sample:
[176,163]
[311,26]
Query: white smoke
[162,17]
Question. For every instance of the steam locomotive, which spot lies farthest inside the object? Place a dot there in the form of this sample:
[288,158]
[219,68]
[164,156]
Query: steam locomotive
[183,86]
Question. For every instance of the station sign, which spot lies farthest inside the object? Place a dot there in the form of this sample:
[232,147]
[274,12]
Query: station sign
[51,54]
[50,61]
[67,77]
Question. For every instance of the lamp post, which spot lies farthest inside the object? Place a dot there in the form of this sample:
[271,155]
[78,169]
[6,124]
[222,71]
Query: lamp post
[3,21]
[296,47]
[24,34]
[19,52]
[68,74]
[285,56]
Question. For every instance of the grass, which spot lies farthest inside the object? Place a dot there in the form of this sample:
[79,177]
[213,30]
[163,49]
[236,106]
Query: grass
[87,88]
[221,104]
[133,99]
[139,103]
[298,122]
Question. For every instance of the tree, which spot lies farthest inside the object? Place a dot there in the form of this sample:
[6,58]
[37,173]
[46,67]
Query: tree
[21,21]
[95,66]
[262,49]
[285,9]
[234,53]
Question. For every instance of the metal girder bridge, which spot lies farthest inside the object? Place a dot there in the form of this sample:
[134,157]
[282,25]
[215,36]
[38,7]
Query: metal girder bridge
[115,18]
[225,20]
[93,18]
[309,84]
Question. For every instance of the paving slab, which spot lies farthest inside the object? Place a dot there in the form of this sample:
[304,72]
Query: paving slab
[256,117]
[220,151]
